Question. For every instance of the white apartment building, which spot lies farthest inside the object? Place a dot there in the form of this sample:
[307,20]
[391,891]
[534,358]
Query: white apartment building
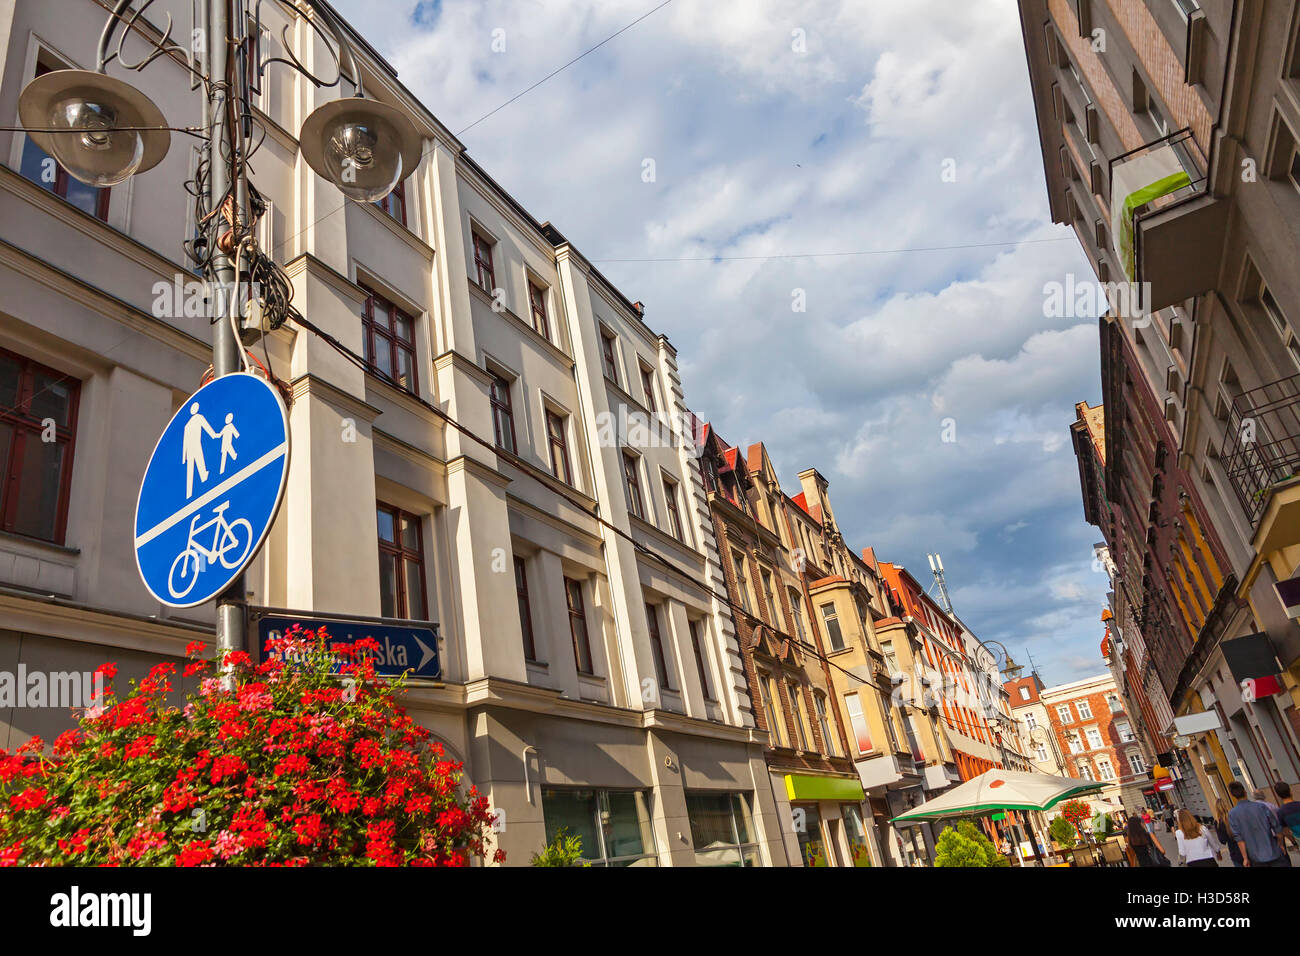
[591,675]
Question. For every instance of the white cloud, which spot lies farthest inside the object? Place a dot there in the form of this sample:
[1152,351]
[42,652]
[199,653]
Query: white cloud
[762,151]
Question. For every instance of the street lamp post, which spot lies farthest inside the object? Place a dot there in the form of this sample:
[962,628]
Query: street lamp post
[102,131]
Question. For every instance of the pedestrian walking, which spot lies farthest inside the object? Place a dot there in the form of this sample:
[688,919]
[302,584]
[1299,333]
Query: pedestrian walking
[1143,846]
[1146,819]
[1288,811]
[1264,796]
[1224,834]
[1196,844]
[1256,828]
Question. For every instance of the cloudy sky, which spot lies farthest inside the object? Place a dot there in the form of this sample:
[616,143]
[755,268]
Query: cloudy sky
[786,139]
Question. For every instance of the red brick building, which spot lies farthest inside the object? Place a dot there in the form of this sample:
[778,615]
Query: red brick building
[1095,738]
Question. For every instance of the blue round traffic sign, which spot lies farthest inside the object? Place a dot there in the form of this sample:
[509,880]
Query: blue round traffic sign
[211,490]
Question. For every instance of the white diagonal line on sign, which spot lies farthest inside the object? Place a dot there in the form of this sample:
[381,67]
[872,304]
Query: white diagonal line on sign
[276,452]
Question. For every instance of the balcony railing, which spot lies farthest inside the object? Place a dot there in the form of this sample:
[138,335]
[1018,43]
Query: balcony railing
[1262,446]
[1151,177]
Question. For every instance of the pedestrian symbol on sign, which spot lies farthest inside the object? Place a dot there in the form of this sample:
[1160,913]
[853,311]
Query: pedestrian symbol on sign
[192,446]
[195,531]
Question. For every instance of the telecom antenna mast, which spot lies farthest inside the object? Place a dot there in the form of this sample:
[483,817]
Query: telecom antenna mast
[936,565]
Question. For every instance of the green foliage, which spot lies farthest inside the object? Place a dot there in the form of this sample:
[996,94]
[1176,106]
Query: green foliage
[564,850]
[1063,832]
[966,846]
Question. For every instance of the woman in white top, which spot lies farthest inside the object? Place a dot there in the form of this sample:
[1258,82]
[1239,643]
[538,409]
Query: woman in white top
[1196,844]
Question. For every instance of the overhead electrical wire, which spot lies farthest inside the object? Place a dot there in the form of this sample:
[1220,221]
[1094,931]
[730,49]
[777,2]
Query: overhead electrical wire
[548,481]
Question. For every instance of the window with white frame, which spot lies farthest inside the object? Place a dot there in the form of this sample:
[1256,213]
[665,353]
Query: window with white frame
[1136,761]
[1063,711]
[1031,720]
[1040,752]
[823,722]
[1104,769]
[1084,709]
[1094,738]
[1125,731]
[832,622]
[742,583]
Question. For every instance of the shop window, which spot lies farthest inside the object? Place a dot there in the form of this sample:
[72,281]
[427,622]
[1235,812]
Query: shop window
[808,830]
[722,829]
[856,832]
[613,825]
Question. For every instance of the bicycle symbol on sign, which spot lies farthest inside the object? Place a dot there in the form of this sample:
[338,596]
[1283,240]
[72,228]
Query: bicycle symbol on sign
[226,540]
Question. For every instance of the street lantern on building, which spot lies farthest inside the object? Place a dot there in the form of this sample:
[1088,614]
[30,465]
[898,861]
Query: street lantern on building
[102,130]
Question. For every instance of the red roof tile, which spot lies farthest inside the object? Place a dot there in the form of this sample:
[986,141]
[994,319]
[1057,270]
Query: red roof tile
[829,579]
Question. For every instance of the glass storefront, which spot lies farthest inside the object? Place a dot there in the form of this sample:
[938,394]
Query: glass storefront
[722,829]
[856,834]
[808,828]
[614,825]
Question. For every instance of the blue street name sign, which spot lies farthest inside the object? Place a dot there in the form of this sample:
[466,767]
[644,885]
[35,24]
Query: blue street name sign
[211,490]
[403,645]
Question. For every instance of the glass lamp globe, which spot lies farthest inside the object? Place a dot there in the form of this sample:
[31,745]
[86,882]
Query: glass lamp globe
[362,157]
[363,146]
[88,144]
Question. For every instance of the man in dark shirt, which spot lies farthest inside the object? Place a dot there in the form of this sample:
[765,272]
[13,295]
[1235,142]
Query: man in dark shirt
[1288,811]
[1255,827]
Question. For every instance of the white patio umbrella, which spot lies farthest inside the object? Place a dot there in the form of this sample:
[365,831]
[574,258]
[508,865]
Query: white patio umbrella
[996,790]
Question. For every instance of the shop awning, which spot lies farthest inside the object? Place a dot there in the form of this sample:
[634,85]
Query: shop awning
[804,786]
[1002,790]
[1250,656]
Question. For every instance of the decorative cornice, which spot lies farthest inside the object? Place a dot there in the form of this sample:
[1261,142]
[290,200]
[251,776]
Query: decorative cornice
[459,362]
[472,465]
[556,352]
[411,453]
[316,269]
[72,217]
[310,384]
[102,302]
[402,232]
[497,691]
[98,625]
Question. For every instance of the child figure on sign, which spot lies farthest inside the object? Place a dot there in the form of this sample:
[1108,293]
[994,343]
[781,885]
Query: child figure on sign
[228,435]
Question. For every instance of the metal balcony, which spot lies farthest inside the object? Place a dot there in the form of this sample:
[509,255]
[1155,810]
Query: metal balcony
[1262,446]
